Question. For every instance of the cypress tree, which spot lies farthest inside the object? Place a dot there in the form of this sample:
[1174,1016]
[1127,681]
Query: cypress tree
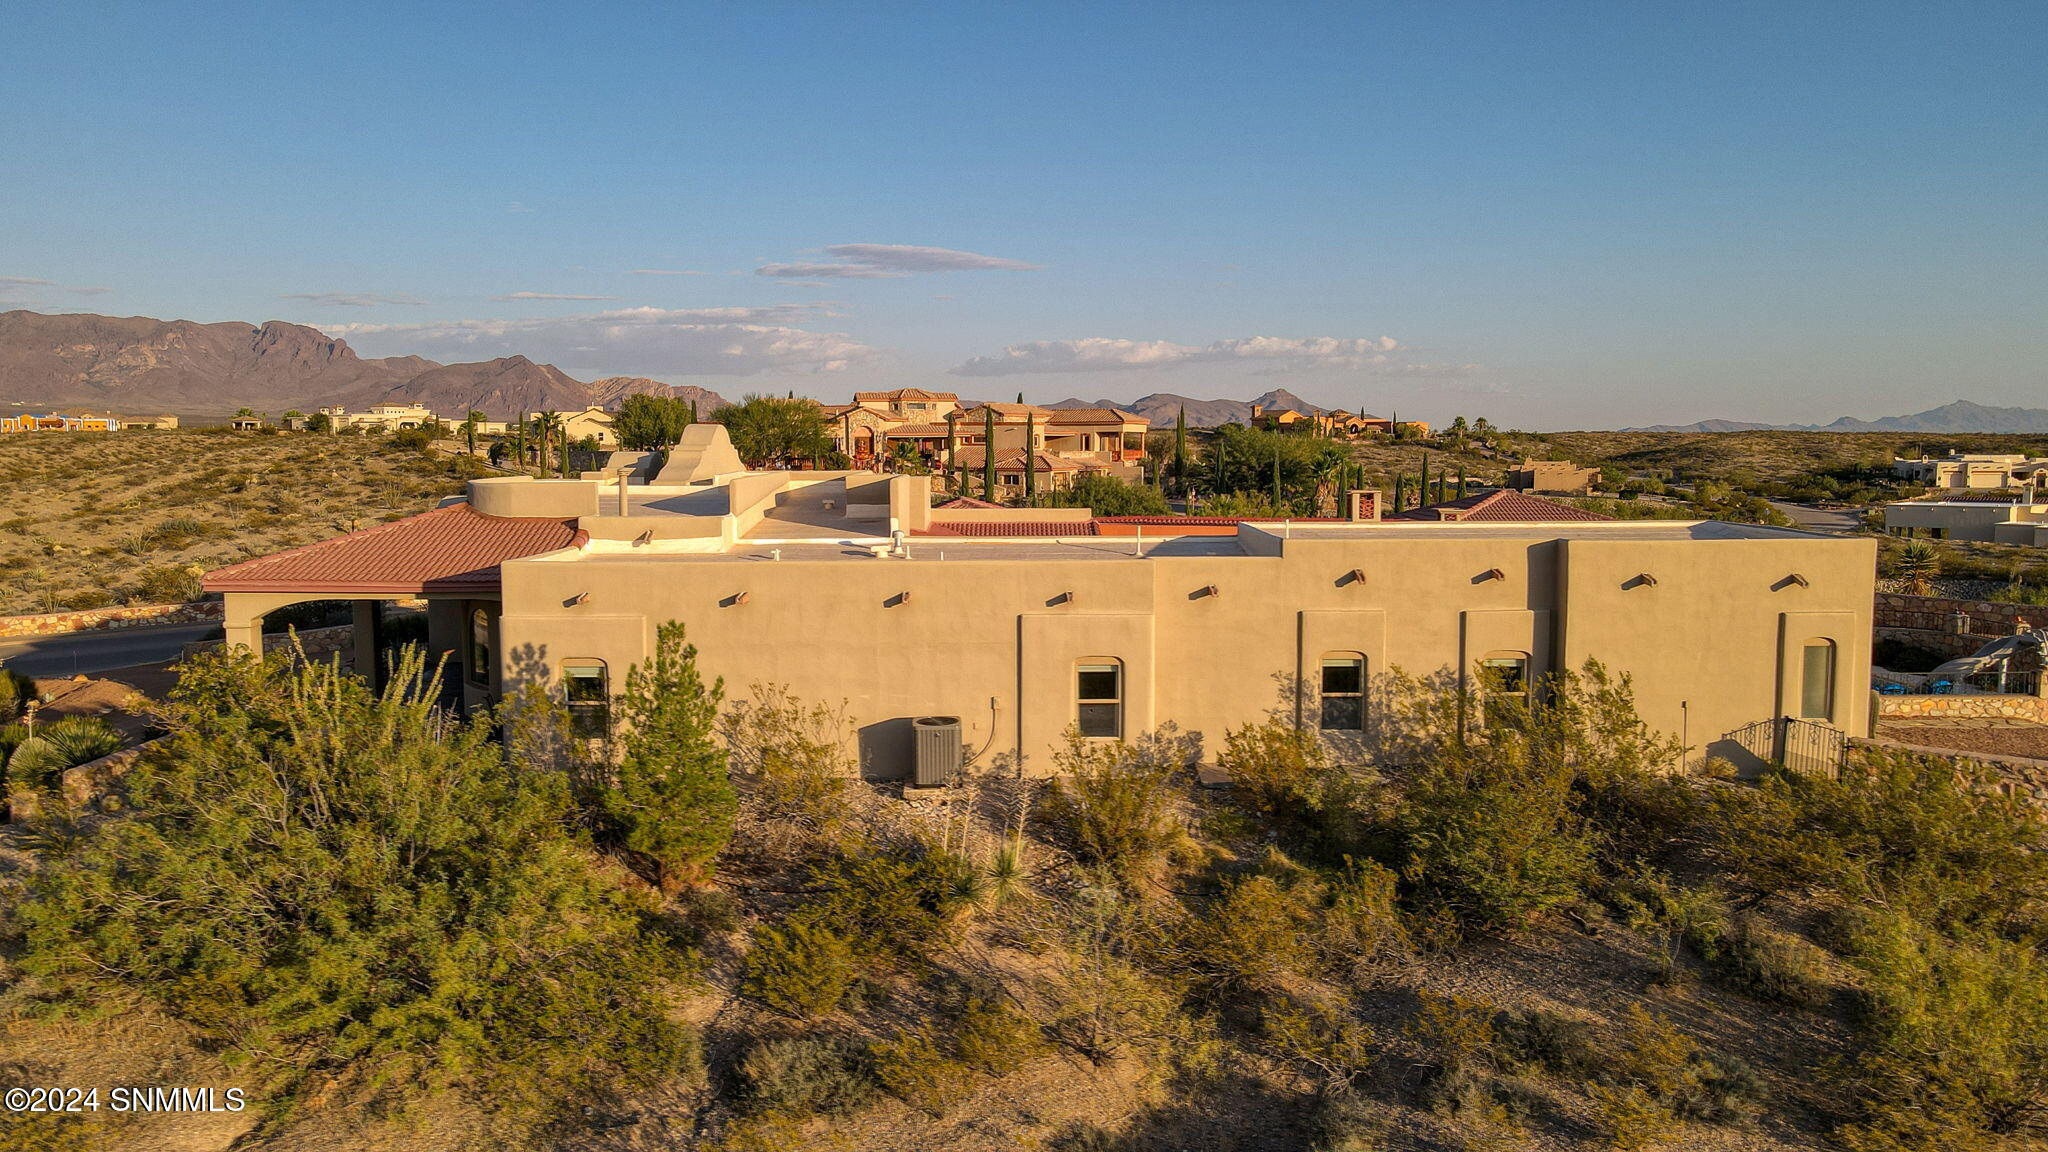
[1180,450]
[988,453]
[1276,476]
[1461,482]
[952,442]
[1030,457]
[1400,492]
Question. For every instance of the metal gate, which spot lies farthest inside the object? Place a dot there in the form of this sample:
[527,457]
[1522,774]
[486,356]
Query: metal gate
[1797,745]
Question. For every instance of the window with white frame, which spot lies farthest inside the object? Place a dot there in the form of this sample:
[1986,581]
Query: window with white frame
[1343,692]
[1099,698]
[1503,681]
[1817,680]
[589,697]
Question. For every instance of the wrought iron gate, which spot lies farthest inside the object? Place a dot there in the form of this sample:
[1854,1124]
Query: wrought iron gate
[1798,745]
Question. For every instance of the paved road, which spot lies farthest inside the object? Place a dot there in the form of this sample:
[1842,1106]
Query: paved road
[1821,519]
[75,652]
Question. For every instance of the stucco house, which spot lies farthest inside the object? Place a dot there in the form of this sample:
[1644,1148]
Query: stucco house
[1974,470]
[1560,476]
[1020,624]
[2003,521]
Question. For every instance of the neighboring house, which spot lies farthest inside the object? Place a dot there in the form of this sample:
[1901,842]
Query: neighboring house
[245,423]
[1504,506]
[1055,473]
[912,404]
[1025,627]
[1330,421]
[877,425]
[1560,476]
[1999,521]
[1982,470]
[59,422]
[592,422]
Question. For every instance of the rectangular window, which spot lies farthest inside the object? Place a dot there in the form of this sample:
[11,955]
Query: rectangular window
[1503,679]
[1817,681]
[590,701]
[1343,694]
[479,669]
[1100,698]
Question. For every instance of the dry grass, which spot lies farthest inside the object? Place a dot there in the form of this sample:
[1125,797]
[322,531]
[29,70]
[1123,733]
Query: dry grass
[132,517]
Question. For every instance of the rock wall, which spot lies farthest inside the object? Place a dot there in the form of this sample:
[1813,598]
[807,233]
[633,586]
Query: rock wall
[1987,618]
[2014,776]
[2033,709]
[93,619]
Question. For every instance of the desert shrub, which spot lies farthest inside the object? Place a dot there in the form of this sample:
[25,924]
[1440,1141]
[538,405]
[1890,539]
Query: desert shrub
[82,599]
[1345,1121]
[799,968]
[1563,1046]
[16,691]
[1288,778]
[894,902]
[1457,1031]
[1656,1077]
[168,585]
[330,883]
[1105,1004]
[806,1075]
[1774,965]
[1359,929]
[916,1067]
[1320,1043]
[1674,916]
[1118,803]
[412,440]
[994,1037]
[791,756]
[1501,821]
[1957,1039]
[1251,935]
[1897,828]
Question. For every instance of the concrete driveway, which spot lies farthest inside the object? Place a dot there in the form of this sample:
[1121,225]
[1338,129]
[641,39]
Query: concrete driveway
[1842,520]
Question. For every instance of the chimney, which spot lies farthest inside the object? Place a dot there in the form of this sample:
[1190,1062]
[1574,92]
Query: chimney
[1258,410]
[1365,505]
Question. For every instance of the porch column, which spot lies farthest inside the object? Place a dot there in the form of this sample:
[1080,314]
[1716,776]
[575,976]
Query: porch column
[369,623]
[242,622]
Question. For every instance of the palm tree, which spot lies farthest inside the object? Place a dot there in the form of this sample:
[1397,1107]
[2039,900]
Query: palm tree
[545,425]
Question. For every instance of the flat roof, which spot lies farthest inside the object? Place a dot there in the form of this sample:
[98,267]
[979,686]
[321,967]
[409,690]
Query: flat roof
[1540,530]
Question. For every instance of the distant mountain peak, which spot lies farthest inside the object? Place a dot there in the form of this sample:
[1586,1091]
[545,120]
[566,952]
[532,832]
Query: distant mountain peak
[1956,416]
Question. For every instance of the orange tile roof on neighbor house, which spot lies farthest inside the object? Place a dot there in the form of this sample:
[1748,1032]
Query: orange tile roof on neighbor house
[1504,506]
[452,549]
[1096,416]
[904,394]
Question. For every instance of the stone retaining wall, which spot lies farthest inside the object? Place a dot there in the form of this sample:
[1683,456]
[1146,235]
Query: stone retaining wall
[94,619]
[2016,776]
[1948,644]
[2033,709]
[1987,618]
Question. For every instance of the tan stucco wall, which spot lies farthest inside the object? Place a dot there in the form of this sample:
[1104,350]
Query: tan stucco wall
[1705,643]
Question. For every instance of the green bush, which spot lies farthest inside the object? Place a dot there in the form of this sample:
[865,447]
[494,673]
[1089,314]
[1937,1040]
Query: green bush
[1118,804]
[894,903]
[327,882]
[806,1075]
[994,1037]
[798,968]
[1957,1039]
[168,585]
[915,1066]
[1252,935]
[1775,965]
[1321,1044]
[671,803]
[1359,930]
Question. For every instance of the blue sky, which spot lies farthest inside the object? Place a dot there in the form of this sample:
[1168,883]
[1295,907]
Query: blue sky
[1557,215]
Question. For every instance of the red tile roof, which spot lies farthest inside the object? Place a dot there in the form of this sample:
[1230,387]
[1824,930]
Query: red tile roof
[905,394]
[959,502]
[1012,460]
[1501,506]
[1011,528]
[1096,416]
[452,549]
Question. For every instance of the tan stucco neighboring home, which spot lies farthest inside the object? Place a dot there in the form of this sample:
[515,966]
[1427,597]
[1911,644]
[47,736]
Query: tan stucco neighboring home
[1329,421]
[1973,470]
[879,425]
[1560,476]
[910,404]
[590,422]
[2014,520]
[1023,624]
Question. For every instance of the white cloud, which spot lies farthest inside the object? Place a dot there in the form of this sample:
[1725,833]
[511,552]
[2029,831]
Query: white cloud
[1381,355]
[511,296]
[25,282]
[888,261]
[89,290]
[837,271]
[633,341]
[351,299]
[664,272]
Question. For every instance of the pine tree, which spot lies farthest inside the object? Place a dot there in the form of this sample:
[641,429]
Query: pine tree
[673,804]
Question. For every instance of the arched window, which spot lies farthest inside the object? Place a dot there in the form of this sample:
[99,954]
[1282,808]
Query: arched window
[1817,680]
[1099,697]
[1343,692]
[479,663]
[589,696]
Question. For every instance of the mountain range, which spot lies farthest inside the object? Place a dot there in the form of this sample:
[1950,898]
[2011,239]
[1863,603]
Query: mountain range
[138,366]
[1957,417]
[1162,407]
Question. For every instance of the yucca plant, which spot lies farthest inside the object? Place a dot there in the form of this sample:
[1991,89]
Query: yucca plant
[1918,563]
[79,739]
